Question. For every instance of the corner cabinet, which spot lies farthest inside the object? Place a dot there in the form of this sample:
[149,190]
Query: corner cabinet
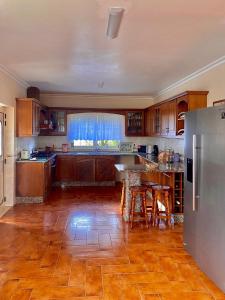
[166,119]
[134,123]
[27,117]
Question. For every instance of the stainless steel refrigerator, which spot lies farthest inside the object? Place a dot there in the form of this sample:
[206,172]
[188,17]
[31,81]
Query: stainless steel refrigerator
[204,191]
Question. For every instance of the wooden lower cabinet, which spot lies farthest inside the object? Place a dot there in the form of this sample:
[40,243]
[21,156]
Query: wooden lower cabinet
[65,168]
[104,168]
[33,181]
[72,168]
[84,168]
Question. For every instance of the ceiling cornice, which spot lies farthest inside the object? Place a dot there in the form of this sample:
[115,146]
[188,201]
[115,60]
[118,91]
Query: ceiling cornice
[10,74]
[108,96]
[193,75]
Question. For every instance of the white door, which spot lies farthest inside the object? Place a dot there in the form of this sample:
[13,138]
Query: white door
[1,158]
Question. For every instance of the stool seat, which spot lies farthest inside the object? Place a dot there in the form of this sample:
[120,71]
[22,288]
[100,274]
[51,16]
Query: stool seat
[149,183]
[161,187]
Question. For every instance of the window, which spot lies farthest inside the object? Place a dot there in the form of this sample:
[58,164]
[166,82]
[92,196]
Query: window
[96,130]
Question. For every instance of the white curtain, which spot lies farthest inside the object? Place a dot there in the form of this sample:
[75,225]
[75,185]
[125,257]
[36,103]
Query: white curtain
[95,126]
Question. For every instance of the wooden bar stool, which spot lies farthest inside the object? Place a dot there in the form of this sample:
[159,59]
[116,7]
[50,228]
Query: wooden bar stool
[149,185]
[142,214]
[162,195]
[123,197]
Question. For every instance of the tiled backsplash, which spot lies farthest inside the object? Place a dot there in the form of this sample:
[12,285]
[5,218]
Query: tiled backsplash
[163,143]
[28,143]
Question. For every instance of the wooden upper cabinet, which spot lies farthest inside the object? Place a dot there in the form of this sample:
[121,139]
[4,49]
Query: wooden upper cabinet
[134,123]
[27,117]
[164,119]
[149,116]
[104,168]
[167,118]
[65,168]
[85,168]
[53,122]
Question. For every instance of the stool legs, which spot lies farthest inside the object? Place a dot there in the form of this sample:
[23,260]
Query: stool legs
[123,198]
[163,197]
[143,207]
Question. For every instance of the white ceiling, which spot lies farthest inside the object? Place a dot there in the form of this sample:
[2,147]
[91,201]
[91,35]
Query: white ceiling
[61,46]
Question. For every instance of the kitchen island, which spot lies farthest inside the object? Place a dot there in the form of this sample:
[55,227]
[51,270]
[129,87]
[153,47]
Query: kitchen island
[148,169]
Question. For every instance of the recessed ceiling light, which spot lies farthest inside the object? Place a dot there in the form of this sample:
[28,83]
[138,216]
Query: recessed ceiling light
[114,21]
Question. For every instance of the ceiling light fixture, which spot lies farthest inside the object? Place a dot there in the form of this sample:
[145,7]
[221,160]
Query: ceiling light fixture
[114,21]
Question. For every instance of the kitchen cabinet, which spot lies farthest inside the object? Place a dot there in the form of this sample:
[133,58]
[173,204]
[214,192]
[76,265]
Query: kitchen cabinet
[53,122]
[134,123]
[33,181]
[89,169]
[166,119]
[65,168]
[104,168]
[27,117]
[149,116]
[84,168]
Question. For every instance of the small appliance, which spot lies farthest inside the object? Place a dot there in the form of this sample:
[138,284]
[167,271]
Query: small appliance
[142,148]
[155,151]
[149,149]
[25,154]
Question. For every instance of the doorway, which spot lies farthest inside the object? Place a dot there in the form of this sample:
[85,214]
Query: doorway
[1,158]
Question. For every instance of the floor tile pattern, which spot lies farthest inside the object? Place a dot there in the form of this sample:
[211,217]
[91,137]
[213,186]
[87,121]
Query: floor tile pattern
[76,247]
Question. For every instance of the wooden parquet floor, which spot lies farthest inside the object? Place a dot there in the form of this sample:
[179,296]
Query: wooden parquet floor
[76,247]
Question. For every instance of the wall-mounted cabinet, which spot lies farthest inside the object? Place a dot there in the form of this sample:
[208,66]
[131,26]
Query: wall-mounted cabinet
[53,122]
[166,119]
[134,123]
[27,117]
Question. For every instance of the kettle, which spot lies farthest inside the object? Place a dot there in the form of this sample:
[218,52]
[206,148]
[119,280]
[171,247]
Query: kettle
[25,154]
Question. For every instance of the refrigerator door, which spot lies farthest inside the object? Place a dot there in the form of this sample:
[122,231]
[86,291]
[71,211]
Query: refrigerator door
[204,227]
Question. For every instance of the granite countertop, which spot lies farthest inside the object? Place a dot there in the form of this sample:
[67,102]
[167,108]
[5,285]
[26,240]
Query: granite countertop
[140,168]
[152,161]
[37,160]
[94,153]
[175,167]
[76,153]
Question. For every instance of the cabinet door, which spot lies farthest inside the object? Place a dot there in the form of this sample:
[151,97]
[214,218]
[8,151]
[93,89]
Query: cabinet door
[172,118]
[164,124]
[65,170]
[85,168]
[156,121]
[36,118]
[134,123]
[48,178]
[57,122]
[104,168]
[149,122]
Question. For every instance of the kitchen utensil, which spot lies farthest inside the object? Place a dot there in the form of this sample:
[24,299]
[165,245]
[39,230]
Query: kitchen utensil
[25,154]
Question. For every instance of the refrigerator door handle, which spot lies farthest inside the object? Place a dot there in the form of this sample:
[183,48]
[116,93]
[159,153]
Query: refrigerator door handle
[195,172]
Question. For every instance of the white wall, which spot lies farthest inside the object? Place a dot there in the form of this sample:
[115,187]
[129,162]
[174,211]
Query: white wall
[213,81]
[10,89]
[96,101]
